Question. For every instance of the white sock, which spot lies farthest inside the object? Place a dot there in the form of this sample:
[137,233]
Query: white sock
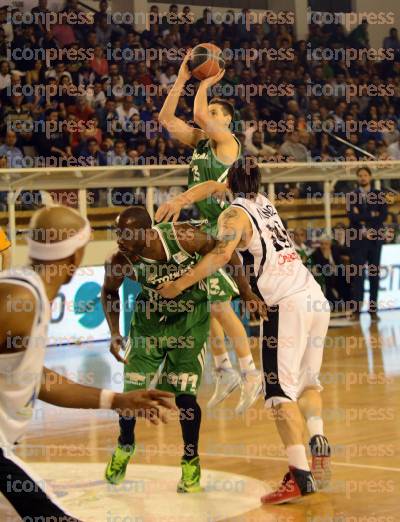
[222,361]
[315,426]
[246,363]
[297,457]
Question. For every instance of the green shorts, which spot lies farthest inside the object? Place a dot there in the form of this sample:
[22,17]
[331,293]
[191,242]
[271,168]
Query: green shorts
[221,287]
[168,354]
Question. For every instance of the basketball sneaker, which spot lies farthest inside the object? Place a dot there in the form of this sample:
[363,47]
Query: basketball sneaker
[296,484]
[190,479]
[116,467]
[227,379]
[251,387]
[321,460]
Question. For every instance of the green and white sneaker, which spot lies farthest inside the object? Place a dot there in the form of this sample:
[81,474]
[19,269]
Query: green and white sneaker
[116,468]
[190,480]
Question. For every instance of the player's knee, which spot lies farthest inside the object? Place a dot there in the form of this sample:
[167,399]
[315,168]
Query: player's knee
[218,309]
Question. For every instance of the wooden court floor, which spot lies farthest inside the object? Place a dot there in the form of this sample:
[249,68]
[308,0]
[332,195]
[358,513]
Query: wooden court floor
[361,378]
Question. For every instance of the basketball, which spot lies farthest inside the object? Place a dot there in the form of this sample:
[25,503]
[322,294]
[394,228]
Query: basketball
[206,61]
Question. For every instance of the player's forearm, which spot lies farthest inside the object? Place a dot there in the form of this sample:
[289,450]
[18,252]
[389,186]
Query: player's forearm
[60,391]
[200,192]
[167,113]
[111,305]
[237,272]
[208,265]
[200,107]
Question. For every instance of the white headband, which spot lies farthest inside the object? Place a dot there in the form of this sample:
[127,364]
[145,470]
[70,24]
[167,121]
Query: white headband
[60,249]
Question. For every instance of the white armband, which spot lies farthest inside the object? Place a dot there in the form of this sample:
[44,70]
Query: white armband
[106,399]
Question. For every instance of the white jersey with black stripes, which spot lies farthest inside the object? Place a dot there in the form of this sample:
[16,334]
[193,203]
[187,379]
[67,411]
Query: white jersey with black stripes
[279,271]
[21,372]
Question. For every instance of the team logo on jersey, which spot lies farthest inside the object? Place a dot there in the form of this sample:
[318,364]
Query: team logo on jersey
[135,378]
[180,257]
[267,211]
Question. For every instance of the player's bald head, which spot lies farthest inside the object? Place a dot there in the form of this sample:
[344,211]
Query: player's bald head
[56,241]
[131,227]
[54,224]
[135,217]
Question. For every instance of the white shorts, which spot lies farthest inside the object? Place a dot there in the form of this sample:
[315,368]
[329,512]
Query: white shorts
[292,343]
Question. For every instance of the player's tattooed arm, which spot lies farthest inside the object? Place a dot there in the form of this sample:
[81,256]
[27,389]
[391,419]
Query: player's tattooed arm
[115,269]
[230,225]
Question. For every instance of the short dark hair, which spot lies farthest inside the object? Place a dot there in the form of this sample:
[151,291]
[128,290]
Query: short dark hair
[244,177]
[136,215]
[364,168]
[228,108]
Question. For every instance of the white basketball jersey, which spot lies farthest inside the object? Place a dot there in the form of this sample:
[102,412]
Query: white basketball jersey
[278,269]
[21,373]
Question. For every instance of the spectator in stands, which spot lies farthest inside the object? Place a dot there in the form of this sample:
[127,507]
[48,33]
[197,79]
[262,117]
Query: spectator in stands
[328,264]
[392,41]
[125,111]
[99,63]
[168,77]
[92,154]
[81,109]
[259,149]
[5,76]
[5,251]
[10,155]
[394,150]
[367,211]
[358,37]
[293,149]
[118,155]
[299,239]
[16,115]
[52,141]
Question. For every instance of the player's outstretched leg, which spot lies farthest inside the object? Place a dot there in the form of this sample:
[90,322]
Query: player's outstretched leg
[227,378]
[116,467]
[190,419]
[299,480]
[250,382]
[310,404]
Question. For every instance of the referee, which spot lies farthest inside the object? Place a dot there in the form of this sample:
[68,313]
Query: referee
[5,251]
[367,211]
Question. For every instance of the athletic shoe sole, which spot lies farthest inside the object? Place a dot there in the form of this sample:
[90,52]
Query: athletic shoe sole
[226,394]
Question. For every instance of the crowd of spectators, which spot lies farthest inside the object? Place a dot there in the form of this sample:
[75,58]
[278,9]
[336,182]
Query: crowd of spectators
[96,100]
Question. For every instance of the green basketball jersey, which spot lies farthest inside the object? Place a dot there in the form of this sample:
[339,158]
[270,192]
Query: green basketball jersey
[205,166]
[150,274]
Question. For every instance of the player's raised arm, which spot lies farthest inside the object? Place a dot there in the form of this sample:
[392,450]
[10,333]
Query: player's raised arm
[176,127]
[172,208]
[110,299]
[60,391]
[214,128]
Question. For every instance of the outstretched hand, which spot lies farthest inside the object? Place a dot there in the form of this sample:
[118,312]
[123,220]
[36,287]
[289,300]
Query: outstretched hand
[184,71]
[169,289]
[148,404]
[255,306]
[168,210]
[212,80]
